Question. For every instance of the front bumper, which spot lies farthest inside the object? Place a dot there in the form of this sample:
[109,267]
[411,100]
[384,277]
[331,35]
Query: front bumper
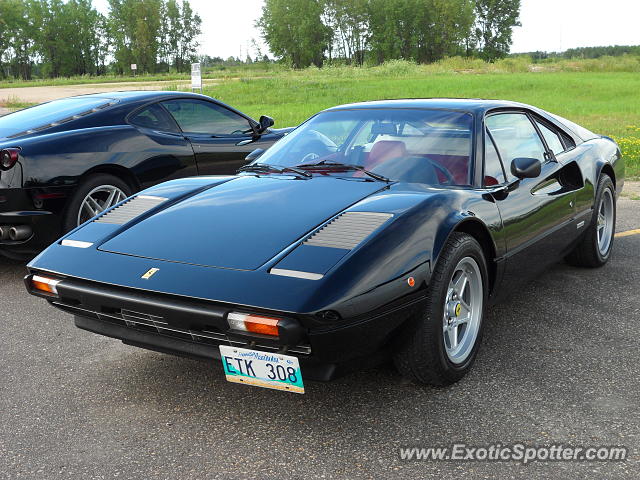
[194,328]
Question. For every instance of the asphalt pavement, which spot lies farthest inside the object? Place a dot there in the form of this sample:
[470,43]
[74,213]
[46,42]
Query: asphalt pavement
[559,364]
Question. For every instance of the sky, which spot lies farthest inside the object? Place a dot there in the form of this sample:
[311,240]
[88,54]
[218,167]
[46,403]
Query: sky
[550,25]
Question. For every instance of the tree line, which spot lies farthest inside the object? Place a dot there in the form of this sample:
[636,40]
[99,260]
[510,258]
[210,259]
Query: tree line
[53,38]
[587,52]
[308,32]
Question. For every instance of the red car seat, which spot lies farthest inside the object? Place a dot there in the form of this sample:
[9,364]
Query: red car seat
[383,151]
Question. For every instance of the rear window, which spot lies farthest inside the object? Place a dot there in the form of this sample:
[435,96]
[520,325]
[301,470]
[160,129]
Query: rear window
[582,132]
[49,114]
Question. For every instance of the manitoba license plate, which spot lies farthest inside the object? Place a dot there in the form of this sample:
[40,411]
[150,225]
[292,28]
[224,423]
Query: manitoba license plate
[262,369]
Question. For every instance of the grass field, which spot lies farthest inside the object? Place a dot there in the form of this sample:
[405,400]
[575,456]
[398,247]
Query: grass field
[601,94]
[607,103]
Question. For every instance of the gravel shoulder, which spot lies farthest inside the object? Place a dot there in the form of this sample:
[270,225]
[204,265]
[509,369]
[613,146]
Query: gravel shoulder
[46,94]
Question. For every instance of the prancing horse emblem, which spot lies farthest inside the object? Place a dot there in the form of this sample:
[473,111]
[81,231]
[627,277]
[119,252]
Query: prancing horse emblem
[150,273]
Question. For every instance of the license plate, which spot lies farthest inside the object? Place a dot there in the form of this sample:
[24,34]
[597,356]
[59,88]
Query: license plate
[262,369]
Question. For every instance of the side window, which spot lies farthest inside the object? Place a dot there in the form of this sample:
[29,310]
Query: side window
[515,137]
[206,118]
[154,117]
[552,139]
[493,172]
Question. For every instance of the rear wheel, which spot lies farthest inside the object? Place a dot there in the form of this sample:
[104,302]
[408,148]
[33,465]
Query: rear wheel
[595,247]
[439,346]
[93,196]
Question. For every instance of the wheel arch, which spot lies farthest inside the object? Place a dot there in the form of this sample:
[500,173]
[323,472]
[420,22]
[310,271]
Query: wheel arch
[608,170]
[474,227]
[116,170]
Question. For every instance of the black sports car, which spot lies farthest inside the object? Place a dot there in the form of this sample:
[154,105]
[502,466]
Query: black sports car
[65,161]
[373,230]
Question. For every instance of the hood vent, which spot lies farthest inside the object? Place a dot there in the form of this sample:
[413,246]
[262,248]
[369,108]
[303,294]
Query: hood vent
[347,230]
[130,209]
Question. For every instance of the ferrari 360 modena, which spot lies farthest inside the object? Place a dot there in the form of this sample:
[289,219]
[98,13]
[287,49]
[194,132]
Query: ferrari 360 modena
[373,231]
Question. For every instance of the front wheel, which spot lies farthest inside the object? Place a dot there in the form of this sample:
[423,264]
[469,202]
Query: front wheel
[439,346]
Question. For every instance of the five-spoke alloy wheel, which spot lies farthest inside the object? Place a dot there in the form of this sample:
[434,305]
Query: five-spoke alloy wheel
[94,195]
[439,345]
[594,248]
[462,310]
[98,200]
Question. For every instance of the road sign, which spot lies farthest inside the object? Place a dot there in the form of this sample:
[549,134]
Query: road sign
[134,66]
[196,76]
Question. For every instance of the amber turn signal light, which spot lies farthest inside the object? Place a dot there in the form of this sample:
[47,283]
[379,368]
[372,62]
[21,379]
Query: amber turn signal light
[44,285]
[253,323]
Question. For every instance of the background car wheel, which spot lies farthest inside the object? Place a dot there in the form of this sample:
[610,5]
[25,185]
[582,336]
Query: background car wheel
[595,247]
[95,194]
[439,347]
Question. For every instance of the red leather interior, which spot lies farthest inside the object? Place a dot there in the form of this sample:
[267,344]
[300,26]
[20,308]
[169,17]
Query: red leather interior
[383,151]
[457,165]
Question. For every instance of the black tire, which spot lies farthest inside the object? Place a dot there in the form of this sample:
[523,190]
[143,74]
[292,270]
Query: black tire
[420,353]
[587,253]
[70,220]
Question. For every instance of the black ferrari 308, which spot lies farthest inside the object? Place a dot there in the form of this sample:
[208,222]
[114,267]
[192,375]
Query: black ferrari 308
[372,231]
[65,161]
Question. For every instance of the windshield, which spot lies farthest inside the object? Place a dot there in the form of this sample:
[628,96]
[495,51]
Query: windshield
[407,145]
[48,113]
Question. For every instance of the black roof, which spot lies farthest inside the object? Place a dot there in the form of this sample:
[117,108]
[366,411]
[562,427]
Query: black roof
[465,104]
[134,95]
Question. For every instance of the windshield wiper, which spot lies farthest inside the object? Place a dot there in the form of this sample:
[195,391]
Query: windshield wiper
[266,168]
[347,166]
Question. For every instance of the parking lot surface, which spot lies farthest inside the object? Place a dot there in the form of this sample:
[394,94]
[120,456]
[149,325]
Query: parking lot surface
[559,364]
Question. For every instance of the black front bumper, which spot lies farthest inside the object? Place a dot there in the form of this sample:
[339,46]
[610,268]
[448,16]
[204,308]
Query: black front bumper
[207,351]
[195,328]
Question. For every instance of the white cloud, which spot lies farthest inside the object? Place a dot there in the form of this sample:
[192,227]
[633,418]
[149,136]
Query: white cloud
[556,25]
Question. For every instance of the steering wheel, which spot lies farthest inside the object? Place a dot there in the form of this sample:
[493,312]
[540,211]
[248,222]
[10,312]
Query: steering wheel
[309,157]
[240,132]
[318,145]
[413,169]
[447,174]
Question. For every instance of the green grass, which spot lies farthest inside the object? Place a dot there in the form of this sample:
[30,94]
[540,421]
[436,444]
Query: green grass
[601,94]
[210,74]
[607,103]
[14,103]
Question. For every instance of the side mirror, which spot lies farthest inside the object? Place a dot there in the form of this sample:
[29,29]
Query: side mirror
[265,122]
[525,167]
[255,154]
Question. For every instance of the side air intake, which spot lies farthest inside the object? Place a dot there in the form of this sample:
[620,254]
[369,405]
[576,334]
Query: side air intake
[130,209]
[347,230]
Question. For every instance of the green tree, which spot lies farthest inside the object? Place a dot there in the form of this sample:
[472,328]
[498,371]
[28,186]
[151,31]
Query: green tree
[191,27]
[134,26]
[294,31]
[348,22]
[12,13]
[68,40]
[419,30]
[495,20]
[90,43]
[171,27]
